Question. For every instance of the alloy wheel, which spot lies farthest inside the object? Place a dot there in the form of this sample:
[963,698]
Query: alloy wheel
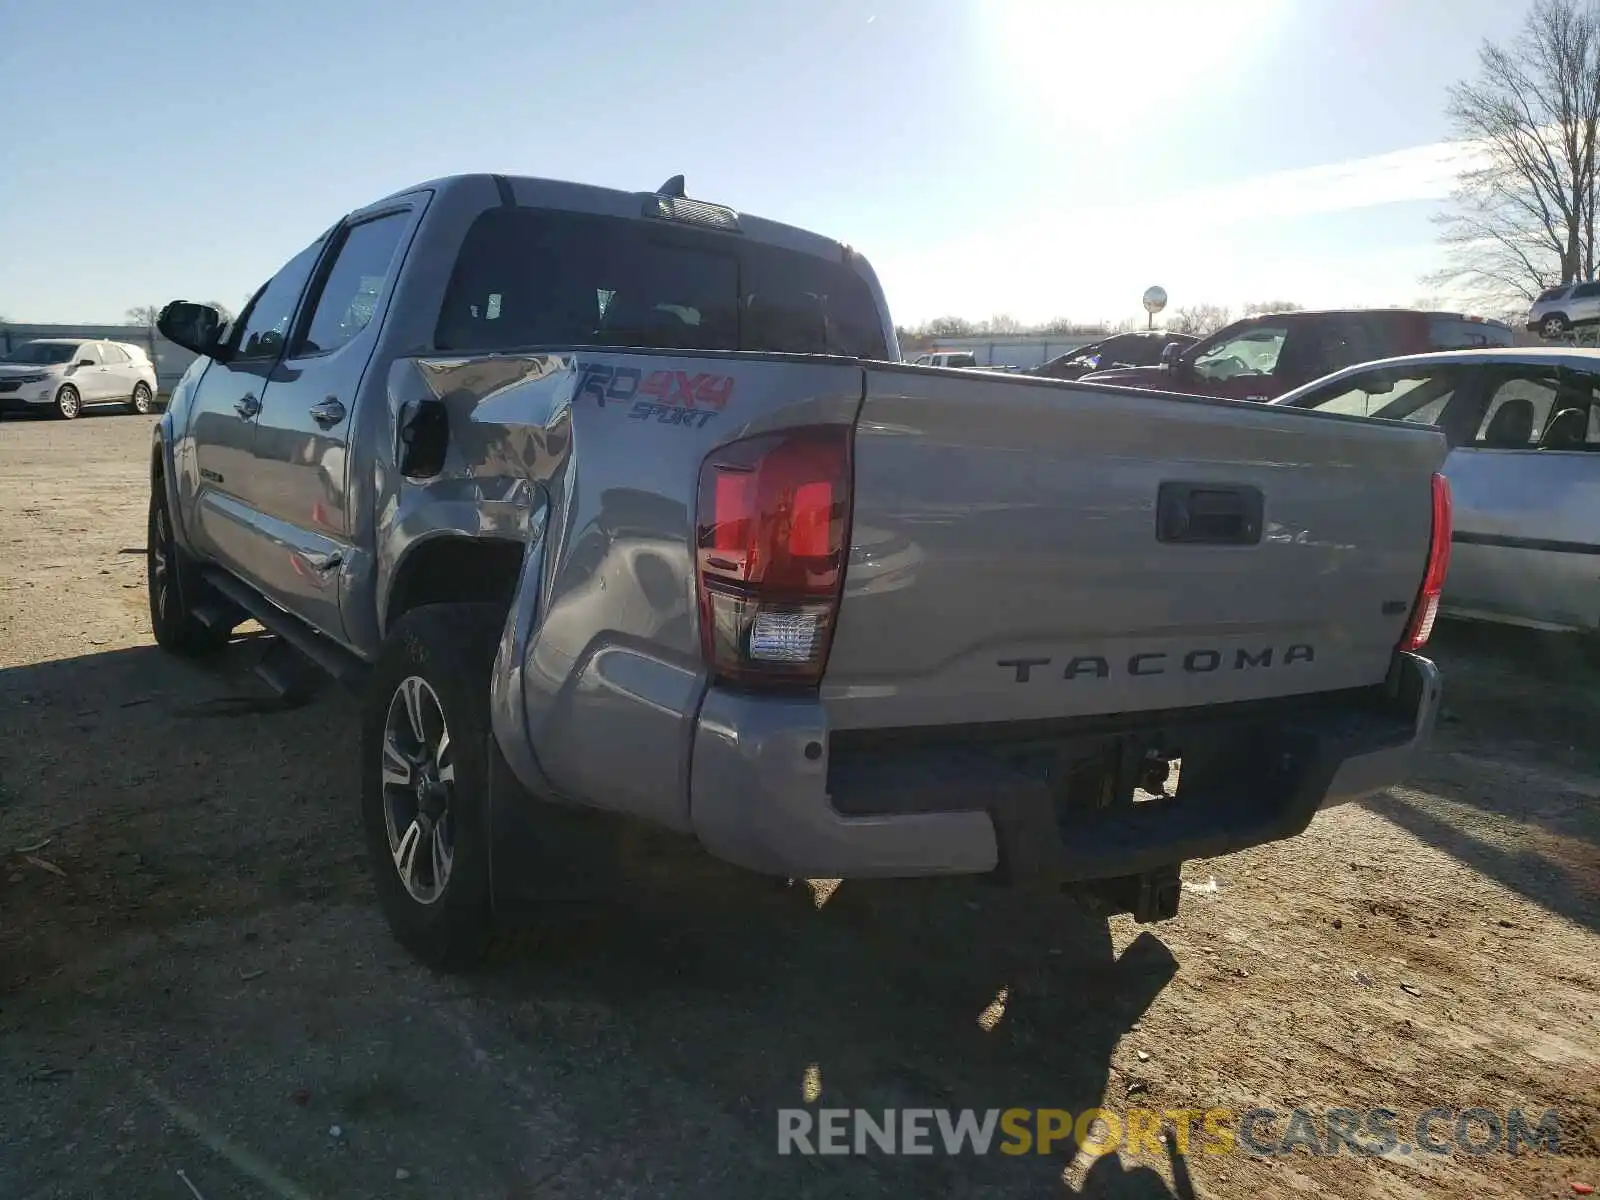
[418,785]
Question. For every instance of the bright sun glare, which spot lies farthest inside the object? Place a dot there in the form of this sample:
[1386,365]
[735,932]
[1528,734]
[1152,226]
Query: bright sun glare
[1087,61]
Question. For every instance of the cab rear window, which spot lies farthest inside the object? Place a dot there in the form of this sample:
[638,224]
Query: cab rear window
[530,277]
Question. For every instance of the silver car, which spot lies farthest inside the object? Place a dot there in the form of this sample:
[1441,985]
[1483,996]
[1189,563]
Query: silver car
[1524,470]
[64,376]
[1558,309]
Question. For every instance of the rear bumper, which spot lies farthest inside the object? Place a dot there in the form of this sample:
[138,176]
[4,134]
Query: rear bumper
[772,791]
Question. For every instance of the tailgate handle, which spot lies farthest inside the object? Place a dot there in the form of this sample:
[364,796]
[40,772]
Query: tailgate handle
[1208,514]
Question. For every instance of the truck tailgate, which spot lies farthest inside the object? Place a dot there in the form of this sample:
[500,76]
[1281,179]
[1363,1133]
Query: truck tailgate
[1010,560]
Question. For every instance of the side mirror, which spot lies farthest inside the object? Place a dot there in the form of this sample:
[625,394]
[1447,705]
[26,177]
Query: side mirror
[195,327]
[84,362]
[1170,354]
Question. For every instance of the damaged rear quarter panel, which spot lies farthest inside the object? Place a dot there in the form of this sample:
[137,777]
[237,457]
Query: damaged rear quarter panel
[592,458]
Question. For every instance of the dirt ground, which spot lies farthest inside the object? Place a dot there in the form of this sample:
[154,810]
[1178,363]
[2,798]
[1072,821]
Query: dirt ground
[198,997]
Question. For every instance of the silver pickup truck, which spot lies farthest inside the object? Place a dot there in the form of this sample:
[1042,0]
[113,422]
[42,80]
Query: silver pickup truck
[619,505]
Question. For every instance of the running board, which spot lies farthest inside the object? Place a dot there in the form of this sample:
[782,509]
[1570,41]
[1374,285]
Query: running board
[333,658]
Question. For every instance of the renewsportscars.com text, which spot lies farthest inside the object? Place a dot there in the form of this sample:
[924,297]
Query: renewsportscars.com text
[1263,1132]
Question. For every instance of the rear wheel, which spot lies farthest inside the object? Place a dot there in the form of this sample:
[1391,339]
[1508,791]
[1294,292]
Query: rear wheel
[425,748]
[68,403]
[1554,325]
[140,403]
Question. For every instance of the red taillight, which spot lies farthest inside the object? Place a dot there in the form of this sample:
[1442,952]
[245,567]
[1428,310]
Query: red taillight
[771,538]
[1420,627]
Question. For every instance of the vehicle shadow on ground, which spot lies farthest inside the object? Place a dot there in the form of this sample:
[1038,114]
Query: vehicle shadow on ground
[148,805]
[701,990]
[756,995]
[1512,788]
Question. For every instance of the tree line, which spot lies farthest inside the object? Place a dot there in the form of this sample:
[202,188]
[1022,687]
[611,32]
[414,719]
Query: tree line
[1196,319]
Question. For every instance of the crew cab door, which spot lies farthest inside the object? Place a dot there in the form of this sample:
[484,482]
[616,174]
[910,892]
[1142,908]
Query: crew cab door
[301,465]
[225,518]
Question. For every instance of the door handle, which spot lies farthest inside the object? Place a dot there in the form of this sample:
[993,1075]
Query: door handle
[248,407]
[329,412]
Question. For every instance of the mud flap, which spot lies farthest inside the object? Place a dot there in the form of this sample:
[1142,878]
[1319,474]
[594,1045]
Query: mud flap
[544,854]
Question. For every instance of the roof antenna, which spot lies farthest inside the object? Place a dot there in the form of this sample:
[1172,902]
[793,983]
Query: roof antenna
[672,187]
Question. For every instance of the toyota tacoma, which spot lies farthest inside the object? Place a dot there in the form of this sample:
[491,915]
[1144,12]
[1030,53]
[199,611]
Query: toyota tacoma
[619,507]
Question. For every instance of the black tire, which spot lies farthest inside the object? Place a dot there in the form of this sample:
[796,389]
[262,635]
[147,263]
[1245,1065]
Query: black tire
[450,649]
[68,403]
[173,588]
[141,401]
[1554,325]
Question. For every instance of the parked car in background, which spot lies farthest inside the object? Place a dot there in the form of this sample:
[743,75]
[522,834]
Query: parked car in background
[1559,309]
[66,375]
[946,358]
[1524,468]
[1265,356]
[1119,350]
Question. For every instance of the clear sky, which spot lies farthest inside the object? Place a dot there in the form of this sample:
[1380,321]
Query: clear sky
[1038,157]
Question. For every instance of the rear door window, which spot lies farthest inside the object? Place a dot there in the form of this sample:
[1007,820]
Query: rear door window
[353,284]
[535,277]
[1417,394]
[113,354]
[1347,342]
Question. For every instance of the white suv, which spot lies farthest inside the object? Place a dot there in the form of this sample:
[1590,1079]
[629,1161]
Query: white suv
[1558,309]
[66,375]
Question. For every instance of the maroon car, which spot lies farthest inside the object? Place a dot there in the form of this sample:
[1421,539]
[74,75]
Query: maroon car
[1265,356]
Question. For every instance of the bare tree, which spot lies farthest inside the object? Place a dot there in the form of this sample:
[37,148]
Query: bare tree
[1524,219]
[1260,307]
[143,314]
[949,327]
[1199,319]
[1000,323]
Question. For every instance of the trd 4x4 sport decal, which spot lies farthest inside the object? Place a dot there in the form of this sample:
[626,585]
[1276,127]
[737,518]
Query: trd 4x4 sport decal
[668,397]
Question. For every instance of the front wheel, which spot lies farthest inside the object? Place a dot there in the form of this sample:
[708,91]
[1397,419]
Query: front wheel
[140,403]
[68,403]
[172,617]
[425,750]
